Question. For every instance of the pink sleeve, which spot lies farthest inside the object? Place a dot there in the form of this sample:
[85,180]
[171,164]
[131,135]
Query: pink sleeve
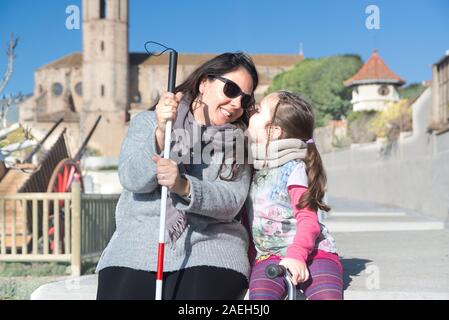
[307,227]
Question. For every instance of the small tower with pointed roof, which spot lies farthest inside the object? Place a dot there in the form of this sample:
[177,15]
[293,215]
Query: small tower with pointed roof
[374,85]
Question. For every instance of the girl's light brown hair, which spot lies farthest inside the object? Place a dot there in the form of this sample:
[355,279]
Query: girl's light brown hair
[295,116]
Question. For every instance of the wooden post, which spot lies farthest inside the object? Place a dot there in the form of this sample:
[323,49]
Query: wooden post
[3,226]
[25,226]
[67,230]
[45,226]
[76,229]
[14,225]
[56,225]
[35,226]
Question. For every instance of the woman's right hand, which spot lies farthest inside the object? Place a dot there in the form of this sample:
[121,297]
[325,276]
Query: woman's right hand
[166,109]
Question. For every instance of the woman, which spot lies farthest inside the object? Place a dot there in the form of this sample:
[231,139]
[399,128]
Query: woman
[207,255]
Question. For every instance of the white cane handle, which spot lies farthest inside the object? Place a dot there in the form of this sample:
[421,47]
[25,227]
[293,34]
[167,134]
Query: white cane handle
[167,141]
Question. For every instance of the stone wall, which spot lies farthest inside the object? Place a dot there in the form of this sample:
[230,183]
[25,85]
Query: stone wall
[411,173]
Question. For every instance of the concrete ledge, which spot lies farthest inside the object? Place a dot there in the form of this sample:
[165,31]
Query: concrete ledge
[77,288]
[85,288]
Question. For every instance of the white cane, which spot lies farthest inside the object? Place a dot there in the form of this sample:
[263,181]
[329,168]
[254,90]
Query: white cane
[168,129]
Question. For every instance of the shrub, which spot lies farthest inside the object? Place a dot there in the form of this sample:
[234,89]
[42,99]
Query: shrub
[359,126]
[395,118]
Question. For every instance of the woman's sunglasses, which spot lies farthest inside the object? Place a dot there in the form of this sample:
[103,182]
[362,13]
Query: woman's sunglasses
[232,90]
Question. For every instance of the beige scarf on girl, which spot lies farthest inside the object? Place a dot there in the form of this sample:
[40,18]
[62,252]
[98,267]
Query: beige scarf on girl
[278,153]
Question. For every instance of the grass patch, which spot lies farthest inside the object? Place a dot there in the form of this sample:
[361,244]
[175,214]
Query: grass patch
[18,280]
[14,137]
[89,266]
[21,288]
[35,269]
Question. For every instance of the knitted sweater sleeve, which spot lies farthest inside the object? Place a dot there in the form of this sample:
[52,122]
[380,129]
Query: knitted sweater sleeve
[136,169]
[217,199]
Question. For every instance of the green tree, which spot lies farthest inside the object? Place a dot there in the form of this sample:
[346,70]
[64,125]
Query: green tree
[411,91]
[321,81]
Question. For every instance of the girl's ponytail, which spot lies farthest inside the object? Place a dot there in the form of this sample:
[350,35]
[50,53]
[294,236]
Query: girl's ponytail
[314,195]
[294,114]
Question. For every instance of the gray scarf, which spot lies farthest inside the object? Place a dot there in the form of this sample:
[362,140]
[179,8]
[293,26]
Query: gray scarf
[278,153]
[221,138]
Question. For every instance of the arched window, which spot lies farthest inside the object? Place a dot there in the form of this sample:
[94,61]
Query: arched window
[57,89]
[102,90]
[103,9]
[79,89]
[383,90]
[71,103]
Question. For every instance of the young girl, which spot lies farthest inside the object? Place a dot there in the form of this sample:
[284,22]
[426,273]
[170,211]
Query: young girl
[286,192]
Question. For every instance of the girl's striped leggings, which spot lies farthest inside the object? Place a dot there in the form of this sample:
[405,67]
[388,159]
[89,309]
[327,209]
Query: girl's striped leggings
[325,281]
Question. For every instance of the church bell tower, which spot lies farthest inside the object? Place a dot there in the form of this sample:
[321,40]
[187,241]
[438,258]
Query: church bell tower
[105,73]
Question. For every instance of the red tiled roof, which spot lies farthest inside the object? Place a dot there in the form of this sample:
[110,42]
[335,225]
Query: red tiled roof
[374,71]
[274,60]
[338,123]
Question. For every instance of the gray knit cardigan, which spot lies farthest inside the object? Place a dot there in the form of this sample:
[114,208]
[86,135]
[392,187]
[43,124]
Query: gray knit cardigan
[213,237]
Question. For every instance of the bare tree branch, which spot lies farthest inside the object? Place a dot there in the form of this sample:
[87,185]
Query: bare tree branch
[9,69]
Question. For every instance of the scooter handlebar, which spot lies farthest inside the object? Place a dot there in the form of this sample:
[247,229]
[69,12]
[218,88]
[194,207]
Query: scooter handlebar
[273,271]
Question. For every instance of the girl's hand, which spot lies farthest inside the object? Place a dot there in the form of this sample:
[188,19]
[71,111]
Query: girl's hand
[297,268]
[168,175]
[166,109]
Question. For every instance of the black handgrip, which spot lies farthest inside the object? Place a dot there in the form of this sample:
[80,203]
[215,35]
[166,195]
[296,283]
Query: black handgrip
[173,62]
[274,270]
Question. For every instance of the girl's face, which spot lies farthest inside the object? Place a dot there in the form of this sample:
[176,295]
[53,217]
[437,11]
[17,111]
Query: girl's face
[259,122]
[220,108]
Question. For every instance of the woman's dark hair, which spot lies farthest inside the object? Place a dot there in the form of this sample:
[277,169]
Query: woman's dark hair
[294,114]
[218,66]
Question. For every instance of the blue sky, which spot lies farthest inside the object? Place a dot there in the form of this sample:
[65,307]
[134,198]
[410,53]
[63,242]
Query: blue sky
[412,36]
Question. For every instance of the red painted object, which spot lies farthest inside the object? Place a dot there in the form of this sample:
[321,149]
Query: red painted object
[160,262]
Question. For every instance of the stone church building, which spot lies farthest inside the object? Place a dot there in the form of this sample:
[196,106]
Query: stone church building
[107,80]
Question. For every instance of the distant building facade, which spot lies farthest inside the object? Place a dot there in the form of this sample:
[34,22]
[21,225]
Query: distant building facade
[440,92]
[105,79]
